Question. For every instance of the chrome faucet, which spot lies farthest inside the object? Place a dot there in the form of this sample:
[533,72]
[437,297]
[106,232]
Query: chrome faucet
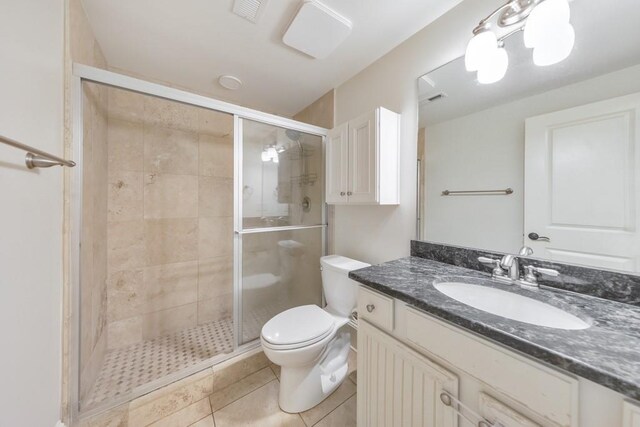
[510,263]
[507,269]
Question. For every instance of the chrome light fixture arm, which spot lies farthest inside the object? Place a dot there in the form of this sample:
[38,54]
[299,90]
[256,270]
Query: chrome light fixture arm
[512,12]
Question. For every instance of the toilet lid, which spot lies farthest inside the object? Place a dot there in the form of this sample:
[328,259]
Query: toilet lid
[298,325]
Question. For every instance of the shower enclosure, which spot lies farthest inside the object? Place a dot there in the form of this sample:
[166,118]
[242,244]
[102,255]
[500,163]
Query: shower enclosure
[193,223]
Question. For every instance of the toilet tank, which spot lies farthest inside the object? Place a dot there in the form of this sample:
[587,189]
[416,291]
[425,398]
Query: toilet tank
[340,291]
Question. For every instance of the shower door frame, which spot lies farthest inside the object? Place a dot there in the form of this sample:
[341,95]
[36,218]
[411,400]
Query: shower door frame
[240,231]
[84,73]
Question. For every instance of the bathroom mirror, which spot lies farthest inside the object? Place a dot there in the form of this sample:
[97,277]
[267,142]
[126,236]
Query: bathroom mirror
[547,157]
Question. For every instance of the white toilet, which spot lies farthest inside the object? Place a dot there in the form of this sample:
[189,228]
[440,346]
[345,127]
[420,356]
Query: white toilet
[305,342]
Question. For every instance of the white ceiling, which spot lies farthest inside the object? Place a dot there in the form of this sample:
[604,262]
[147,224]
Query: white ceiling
[190,43]
[606,40]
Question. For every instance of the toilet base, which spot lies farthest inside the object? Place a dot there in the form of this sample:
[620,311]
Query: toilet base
[303,388]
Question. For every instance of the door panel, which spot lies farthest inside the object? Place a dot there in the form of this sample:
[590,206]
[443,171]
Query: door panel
[280,238]
[362,160]
[581,179]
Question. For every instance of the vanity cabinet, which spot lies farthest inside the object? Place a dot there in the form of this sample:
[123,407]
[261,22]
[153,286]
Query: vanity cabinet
[362,164]
[406,356]
[399,387]
[631,415]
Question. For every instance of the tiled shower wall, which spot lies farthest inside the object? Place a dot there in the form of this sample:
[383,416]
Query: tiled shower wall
[170,217]
[93,255]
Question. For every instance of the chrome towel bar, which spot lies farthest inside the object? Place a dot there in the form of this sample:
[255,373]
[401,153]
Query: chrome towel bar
[37,158]
[504,192]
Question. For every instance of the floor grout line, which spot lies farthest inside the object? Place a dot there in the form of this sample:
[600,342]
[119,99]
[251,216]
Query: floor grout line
[334,409]
[208,415]
[213,414]
[244,395]
[274,371]
[240,397]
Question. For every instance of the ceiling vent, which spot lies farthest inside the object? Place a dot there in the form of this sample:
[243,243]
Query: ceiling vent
[427,91]
[316,30]
[250,10]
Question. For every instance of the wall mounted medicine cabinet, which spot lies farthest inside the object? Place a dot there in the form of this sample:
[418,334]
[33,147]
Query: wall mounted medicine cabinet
[363,160]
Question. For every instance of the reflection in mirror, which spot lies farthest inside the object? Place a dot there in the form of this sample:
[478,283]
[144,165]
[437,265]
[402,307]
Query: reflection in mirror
[282,179]
[564,138]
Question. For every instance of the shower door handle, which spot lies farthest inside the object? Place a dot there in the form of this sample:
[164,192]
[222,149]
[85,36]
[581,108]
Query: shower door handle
[342,193]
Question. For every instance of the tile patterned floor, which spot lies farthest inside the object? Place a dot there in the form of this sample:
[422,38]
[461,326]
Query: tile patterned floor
[127,368]
[253,401]
[240,392]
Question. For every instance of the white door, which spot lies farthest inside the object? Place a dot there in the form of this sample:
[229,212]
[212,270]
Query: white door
[581,184]
[399,387]
[337,164]
[362,159]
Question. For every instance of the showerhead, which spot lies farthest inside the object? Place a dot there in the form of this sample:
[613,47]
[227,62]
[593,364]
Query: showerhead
[293,135]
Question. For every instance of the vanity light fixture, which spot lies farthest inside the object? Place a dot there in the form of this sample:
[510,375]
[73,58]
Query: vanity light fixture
[546,30]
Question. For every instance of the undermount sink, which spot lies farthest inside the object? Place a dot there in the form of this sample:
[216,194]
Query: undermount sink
[510,305]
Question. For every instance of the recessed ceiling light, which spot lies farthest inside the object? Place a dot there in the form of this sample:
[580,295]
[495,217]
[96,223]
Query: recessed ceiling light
[230,82]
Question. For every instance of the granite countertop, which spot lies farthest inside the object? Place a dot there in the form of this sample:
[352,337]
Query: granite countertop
[607,353]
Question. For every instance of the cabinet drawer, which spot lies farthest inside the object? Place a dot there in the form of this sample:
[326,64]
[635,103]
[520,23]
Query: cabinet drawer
[376,308]
[546,392]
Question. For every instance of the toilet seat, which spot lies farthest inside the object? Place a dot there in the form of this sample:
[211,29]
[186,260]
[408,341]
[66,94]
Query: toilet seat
[298,327]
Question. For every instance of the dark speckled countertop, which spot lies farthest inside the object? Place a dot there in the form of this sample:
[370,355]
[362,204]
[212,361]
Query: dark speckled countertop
[607,353]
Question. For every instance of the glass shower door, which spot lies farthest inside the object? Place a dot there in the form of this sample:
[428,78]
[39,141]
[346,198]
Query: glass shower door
[280,229]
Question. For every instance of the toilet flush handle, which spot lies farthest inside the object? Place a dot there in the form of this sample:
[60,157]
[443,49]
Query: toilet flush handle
[370,307]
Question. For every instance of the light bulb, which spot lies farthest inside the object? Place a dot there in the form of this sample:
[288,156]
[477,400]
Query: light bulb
[545,17]
[555,46]
[495,67]
[265,156]
[272,153]
[276,159]
[480,47]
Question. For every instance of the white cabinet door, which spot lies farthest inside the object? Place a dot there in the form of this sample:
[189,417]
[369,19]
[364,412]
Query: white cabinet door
[362,160]
[582,176]
[631,415]
[337,164]
[399,387]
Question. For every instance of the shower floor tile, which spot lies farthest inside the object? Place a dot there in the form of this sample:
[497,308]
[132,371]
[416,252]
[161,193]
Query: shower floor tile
[126,368]
[255,318]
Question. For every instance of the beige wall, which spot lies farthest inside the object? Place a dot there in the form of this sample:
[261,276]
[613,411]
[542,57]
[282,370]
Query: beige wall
[93,252]
[382,233]
[170,217]
[31,111]
[320,112]
[83,48]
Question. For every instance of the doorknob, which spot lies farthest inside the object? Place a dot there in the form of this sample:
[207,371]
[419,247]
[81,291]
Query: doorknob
[536,236]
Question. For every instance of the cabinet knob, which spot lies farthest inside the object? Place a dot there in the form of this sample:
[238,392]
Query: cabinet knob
[349,193]
[342,193]
[370,307]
